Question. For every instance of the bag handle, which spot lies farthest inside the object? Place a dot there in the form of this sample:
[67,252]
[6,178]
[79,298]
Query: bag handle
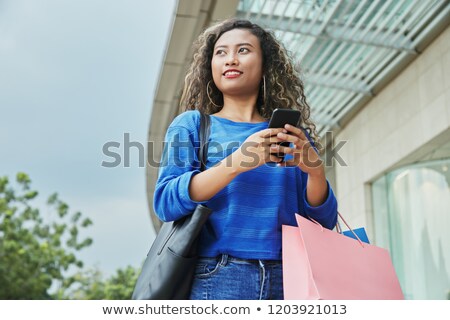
[203,132]
[339,229]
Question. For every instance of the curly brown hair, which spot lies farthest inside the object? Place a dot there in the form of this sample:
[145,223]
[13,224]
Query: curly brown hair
[284,88]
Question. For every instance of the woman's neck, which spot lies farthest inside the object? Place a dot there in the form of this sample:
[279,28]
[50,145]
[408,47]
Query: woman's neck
[240,110]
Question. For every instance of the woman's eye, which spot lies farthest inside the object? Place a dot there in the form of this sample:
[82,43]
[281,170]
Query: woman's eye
[243,50]
[220,51]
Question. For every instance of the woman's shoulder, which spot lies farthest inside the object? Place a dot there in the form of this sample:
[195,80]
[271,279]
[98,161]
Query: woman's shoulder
[188,120]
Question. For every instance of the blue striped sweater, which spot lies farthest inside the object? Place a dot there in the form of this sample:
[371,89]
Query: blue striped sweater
[247,213]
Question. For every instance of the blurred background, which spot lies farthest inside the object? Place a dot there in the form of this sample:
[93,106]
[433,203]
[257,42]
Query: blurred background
[75,75]
[84,85]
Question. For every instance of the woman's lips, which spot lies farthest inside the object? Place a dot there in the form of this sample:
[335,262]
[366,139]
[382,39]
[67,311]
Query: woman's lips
[232,74]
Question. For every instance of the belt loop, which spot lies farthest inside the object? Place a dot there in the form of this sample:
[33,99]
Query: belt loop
[224,260]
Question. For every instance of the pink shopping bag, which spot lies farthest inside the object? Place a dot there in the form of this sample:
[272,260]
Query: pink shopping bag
[322,264]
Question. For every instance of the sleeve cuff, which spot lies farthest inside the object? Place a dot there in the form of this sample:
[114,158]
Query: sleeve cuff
[185,197]
[323,210]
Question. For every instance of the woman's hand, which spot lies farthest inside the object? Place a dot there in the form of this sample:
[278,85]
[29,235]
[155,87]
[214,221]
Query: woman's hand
[255,151]
[305,157]
[304,154]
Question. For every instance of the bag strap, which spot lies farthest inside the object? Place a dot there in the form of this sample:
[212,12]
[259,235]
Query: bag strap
[204,131]
[339,229]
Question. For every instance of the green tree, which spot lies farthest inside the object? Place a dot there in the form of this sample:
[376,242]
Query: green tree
[36,253]
[92,286]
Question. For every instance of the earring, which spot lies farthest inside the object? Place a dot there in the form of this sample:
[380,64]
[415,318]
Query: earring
[209,97]
[264,91]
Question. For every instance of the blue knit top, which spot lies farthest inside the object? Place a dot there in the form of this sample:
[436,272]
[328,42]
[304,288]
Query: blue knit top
[248,212]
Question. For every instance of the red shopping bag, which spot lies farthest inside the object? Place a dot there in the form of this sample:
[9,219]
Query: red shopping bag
[322,264]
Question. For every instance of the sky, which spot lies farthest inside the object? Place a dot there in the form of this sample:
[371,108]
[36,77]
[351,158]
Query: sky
[75,75]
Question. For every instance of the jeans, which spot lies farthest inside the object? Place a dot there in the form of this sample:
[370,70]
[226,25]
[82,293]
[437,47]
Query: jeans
[229,278]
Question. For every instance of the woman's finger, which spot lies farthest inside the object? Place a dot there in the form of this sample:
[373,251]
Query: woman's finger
[296,131]
[281,149]
[292,138]
[271,132]
[274,158]
[290,163]
[272,140]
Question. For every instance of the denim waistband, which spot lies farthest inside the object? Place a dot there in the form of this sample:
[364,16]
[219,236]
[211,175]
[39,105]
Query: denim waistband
[224,259]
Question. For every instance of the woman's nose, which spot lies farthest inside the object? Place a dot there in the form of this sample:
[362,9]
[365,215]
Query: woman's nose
[232,61]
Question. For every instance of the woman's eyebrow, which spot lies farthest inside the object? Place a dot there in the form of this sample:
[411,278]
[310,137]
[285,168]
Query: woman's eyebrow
[237,45]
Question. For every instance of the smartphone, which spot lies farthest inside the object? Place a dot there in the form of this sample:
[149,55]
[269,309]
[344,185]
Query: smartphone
[279,118]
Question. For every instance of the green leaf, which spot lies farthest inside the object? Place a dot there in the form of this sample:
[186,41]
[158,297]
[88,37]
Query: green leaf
[52,199]
[76,217]
[86,242]
[63,208]
[86,222]
[30,195]
[73,231]
[3,184]
[23,179]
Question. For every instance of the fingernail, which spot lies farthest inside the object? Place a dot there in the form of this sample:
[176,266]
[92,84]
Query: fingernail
[285,131]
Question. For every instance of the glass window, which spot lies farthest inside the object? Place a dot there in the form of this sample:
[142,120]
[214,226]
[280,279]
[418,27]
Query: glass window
[411,209]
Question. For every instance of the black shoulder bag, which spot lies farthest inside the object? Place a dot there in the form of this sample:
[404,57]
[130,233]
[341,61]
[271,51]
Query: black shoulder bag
[168,270]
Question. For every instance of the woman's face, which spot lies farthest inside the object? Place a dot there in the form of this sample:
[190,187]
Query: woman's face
[237,63]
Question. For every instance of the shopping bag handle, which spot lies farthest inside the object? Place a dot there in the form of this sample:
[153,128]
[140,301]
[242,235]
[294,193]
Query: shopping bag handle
[339,229]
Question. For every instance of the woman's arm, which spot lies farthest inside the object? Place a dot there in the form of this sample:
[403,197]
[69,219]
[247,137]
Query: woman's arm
[254,152]
[316,188]
[181,185]
[208,183]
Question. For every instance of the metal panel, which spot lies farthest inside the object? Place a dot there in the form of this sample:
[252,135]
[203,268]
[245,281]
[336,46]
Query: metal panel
[344,47]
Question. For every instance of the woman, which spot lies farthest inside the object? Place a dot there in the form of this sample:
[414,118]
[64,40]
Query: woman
[240,73]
